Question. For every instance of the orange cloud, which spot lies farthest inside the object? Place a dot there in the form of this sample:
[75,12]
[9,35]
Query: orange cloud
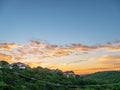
[5,57]
[7,46]
[109,60]
[104,63]
[35,48]
[34,51]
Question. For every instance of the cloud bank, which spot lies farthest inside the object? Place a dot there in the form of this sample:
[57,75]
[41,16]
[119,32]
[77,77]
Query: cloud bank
[34,52]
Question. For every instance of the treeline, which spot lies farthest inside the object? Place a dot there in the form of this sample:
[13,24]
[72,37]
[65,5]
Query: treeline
[15,77]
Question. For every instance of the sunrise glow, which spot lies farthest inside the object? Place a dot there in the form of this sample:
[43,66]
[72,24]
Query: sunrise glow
[68,35]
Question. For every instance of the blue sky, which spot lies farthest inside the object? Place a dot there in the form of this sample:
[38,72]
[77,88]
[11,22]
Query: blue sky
[92,23]
[59,22]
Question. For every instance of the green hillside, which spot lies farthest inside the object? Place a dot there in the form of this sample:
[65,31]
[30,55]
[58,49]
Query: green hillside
[19,76]
[106,76]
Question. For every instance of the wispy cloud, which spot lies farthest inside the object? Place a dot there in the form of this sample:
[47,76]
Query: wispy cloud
[45,50]
[7,46]
[5,57]
[103,63]
[34,52]
[109,60]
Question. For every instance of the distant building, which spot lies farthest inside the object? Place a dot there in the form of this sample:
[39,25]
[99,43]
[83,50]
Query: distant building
[69,74]
[18,64]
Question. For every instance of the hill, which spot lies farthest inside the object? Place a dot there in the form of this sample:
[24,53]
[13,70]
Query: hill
[106,76]
[19,78]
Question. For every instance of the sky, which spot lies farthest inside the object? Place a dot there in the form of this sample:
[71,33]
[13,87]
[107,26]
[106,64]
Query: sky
[78,35]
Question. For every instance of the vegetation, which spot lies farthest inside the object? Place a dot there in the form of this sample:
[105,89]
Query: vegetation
[39,78]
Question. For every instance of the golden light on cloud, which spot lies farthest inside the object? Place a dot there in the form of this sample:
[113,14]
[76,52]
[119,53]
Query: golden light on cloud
[35,53]
[7,58]
[104,63]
